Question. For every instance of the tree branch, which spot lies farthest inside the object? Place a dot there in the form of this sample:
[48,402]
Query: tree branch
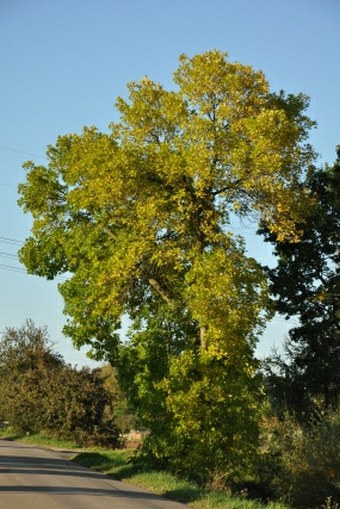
[109,232]
[160,290]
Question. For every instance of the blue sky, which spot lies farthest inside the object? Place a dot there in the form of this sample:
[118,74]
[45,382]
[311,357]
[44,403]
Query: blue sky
[64,62]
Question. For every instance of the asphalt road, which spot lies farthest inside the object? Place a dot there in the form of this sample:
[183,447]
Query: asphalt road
[35,478]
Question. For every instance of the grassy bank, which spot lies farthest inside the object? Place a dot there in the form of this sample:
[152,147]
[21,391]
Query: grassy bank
[117,463]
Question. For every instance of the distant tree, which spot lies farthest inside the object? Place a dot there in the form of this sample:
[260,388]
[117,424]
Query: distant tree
[78,407]
[120,407]
[306,284]
[39,392]
[139,219]
[26,364]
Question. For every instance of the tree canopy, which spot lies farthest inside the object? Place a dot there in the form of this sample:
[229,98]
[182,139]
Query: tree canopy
[135,212]
[138,219]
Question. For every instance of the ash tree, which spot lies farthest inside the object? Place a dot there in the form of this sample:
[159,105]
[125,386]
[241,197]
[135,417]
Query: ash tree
[138,218]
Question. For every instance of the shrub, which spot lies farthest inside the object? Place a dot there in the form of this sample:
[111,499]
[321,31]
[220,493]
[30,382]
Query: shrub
[302,465]
[76,408]
[39,392]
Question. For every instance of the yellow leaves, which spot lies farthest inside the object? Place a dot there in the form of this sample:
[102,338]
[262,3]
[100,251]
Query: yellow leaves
[226,293]
[153,114]
[220,128]
[265,144]
[216,351]
[151,200]
[220,89]
[285,215]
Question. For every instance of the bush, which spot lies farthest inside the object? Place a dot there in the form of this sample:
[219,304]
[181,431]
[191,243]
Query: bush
[302,465]
[76,409]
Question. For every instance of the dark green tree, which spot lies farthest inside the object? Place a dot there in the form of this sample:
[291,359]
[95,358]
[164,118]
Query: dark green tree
[26,363]
[306,284]
[78,408]
[40,392]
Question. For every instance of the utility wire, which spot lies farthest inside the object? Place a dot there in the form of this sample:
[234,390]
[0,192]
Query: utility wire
[3,184]
[8,255]
[11,268]
[8,240]
[22,152]
[16,242]
[21,270]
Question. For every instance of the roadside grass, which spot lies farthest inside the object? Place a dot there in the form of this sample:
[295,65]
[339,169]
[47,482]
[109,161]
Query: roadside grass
[38,439]
[119,465]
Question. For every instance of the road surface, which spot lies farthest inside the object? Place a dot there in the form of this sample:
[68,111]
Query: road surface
[35,478]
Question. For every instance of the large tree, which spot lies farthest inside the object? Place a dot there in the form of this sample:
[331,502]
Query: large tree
[306,284]
[138,218]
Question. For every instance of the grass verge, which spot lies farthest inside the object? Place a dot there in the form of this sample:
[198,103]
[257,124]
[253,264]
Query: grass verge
[38,439]
[118,465]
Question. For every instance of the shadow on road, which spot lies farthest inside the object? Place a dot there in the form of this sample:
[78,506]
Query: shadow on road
[62,490]
[57,467]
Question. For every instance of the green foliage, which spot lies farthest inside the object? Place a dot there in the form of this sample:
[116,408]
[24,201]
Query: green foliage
[213,408]
[139,219]
[306,284]
[119,406]
[39,392]
[78,411]
[119,465]
[26,362]
[302,465]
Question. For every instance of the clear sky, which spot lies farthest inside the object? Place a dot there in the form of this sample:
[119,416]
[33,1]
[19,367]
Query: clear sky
[64,62]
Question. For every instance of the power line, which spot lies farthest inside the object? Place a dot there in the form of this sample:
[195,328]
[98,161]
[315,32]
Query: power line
[11,268]
[7,185]
[8,240]
[8,255]
[21,270]
[9,149]
[16,242]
